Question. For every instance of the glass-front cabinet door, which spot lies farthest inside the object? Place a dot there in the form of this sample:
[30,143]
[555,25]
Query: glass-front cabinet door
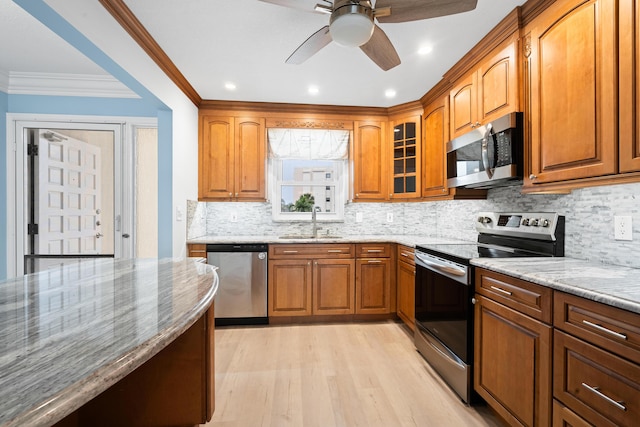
[406,159]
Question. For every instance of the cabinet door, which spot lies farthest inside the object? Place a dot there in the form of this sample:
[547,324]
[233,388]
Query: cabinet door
[369,161]
[289,291]
[513,363]
[250,149]
[572,82]
[405,162]
[216,158]
[333,286]
[373,286]
[463,103]
[629,93]
[498,85]
[435,125]
[565,417]
[406,293]
[197,250]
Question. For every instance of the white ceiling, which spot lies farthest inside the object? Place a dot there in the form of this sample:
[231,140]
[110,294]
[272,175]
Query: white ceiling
[245,42]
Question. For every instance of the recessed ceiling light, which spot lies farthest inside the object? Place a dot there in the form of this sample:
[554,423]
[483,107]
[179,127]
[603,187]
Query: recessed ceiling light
[313,90]
[425,50]
[230,86]
[390,93]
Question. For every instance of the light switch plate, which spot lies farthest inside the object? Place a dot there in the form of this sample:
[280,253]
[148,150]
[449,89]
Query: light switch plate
[358,216]
[389,216]
[233,217]
[623,227]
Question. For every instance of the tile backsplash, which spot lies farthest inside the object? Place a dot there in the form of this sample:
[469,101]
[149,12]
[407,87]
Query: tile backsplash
[589,216]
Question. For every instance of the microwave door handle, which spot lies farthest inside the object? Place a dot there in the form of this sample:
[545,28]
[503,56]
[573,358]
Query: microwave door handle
[485,152]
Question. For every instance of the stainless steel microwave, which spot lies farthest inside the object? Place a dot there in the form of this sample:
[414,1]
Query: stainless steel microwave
[488,156]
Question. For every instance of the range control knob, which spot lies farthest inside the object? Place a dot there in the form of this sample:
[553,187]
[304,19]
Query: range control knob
[534,222]
[525,221]
[484,220]
[544,222]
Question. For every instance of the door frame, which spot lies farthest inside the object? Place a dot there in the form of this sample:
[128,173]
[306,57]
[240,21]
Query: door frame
[124,176]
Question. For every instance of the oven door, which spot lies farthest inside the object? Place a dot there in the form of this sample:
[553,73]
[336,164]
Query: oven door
[444,326]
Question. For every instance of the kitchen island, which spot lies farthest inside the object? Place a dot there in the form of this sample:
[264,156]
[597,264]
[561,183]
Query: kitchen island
[79,341]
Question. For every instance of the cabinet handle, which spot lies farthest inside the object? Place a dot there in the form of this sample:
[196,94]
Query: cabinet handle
[374,261]
[374,250]
[502,291]
[230,194]
[606,330]
[596,390]
[236,194]
[404,254]
[334,251]
[357,195]
[532,177]
[290,252]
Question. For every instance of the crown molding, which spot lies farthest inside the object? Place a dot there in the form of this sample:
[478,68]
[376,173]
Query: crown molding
[54,84]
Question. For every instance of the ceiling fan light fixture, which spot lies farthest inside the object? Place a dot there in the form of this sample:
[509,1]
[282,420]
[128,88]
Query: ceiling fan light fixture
[351,25]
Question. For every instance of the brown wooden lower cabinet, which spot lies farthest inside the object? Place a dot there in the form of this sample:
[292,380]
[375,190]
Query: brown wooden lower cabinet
[290,288]
[405,282]
[373,286]
[333,286]
[513,363]
[176,387]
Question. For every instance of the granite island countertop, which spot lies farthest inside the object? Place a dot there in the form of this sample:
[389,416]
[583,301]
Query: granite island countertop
[609,284]
[69,333]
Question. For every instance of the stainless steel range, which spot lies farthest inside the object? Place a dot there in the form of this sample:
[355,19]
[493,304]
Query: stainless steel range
[445,286]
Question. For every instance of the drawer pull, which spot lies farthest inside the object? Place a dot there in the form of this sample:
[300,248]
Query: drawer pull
[374,250]
[603,329]
[502,291]
[596,390]
[404,254]
[374,261]
[334,251]
[290,252]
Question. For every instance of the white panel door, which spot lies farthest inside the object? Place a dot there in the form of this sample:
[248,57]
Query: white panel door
[67,199]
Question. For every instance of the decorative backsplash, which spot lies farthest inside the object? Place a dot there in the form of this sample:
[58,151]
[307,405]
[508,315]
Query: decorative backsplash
[589,216]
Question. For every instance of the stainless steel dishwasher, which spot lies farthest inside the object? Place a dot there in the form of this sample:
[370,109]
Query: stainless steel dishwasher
[242,292]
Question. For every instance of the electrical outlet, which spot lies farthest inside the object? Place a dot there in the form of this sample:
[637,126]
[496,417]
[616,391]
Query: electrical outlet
[622,227]
[389,216]
[358,216]
[179,213]
[233,217]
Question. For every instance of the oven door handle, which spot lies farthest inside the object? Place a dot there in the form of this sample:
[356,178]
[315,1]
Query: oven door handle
[486,163]
[460,272]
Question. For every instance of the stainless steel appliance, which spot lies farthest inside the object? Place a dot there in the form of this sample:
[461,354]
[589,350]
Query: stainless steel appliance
[444,287]
[488,156]
[242,292]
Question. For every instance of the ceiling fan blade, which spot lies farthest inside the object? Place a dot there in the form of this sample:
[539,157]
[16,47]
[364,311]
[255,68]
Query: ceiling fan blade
[415,10]
[380,50]
[311,46]
[295,4]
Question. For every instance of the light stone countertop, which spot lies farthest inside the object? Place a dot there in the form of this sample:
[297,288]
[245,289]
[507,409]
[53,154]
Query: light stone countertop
[407,240]
[69,333]
[610,284]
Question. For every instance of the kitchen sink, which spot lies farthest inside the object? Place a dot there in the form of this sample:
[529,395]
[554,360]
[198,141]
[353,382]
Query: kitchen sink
[308,237]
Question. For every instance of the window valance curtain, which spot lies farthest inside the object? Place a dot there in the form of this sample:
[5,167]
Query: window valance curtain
[308,144]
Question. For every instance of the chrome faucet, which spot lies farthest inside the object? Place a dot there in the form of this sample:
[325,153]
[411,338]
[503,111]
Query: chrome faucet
[314,221]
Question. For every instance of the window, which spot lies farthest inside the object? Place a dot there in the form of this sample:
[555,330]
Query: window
[308,169]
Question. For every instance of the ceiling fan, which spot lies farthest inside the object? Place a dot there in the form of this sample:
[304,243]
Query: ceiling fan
[352,24]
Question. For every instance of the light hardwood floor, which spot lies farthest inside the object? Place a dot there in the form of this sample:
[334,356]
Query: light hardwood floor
[353,374]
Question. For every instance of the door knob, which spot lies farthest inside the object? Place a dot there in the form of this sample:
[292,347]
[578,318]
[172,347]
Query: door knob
[126,235]
[99,235]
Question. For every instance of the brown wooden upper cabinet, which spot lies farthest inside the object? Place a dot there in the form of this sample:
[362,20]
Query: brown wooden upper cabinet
[406,158]
[370,176]
[629,75]
[488,92]
[570,54]
[231,158]
[435,128]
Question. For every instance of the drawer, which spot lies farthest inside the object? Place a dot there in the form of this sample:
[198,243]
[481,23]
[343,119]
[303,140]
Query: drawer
[373,250]
[326,250]
[611,328]
[406,254]
[599,386]
[529,298]
[565,417]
